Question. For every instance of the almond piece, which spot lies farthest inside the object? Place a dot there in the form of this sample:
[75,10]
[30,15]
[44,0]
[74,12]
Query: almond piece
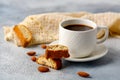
[43,69]
[43,46]
[33,58]
[83,74]
[31,53]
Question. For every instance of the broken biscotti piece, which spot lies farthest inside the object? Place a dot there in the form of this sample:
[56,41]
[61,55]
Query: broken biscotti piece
[23,34]
[56,51]
[53,55]
[53,63]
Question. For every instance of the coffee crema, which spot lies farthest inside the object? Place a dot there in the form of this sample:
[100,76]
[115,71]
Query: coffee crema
[78,27]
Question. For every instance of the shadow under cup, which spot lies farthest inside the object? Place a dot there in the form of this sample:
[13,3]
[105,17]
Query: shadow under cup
[80,43]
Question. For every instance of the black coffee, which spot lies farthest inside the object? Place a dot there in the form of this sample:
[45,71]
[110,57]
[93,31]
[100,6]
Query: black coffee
[78,27]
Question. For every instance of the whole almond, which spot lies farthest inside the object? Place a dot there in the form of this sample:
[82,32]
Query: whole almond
[43,46]
[31,53]
[83,74]
[33,58]
[43,69]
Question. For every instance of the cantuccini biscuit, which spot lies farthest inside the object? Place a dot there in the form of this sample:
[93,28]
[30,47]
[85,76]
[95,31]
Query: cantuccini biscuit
[56,51]
[53,63]
[23,34]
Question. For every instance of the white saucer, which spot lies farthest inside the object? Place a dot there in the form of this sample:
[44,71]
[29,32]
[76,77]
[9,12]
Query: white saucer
[99,52]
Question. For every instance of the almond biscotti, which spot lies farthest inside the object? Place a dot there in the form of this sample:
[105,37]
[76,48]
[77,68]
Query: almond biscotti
[53,63]
[23,34]
[56,51]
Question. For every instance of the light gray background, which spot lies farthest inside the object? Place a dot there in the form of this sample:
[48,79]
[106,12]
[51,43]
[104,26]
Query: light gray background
[16,65]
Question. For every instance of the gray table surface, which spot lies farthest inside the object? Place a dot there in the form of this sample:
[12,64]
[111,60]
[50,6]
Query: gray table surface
[16,65]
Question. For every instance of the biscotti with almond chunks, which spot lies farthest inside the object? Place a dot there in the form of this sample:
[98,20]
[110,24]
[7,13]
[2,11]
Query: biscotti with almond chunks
[56,52]
[53,63]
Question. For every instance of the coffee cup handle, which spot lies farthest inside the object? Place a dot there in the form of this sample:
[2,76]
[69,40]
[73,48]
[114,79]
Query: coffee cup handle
[102,34]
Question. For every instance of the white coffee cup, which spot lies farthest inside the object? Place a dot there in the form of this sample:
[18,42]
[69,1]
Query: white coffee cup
[80,43]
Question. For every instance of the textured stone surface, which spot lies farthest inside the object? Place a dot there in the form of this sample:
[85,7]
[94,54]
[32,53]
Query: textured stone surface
[16,65]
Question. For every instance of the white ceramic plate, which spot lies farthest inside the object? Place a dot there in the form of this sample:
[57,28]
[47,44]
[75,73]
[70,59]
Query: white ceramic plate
[99,52]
